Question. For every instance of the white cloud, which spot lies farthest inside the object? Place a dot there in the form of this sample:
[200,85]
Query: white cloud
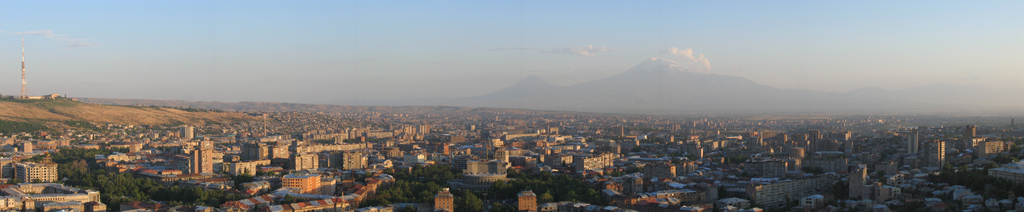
[582,51]
[45,33]
[81,45]
[676,51]
[519,48]
[688,54]
[50,34]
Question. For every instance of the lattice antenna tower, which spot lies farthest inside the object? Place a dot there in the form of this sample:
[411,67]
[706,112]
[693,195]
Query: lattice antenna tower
[24,83]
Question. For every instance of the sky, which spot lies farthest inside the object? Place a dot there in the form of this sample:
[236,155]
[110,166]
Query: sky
[330,51]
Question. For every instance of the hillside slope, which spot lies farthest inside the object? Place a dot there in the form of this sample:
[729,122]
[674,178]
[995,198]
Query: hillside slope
[58,113]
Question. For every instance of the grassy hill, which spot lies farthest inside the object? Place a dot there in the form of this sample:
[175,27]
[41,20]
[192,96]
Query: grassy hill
[32,115]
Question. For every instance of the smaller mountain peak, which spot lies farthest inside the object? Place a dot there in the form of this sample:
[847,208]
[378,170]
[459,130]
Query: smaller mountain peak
[660,66]
[533,80]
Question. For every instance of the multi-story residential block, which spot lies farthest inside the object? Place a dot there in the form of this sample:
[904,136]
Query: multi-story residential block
[304,161]
[49,197]
[1013,172]
[765,167]
[593,162]
[990,148]
[776,192]
[201,160]
[527,201]
[660,170]
[444,201]
[306,183]
[36,172]
[935,153]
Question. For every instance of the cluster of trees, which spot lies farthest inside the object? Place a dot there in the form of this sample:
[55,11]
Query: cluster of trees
[418,186]
[627,171]
[548,187]
[736,159]
[11,127]
[83,125]
[422,183]
[76,168]
[1004,159]
[977,179]
[812,170]
[242,178]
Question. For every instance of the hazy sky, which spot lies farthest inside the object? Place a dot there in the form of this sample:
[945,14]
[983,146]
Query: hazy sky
[316,52]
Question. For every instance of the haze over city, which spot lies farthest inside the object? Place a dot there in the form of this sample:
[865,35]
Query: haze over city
[518,106]
[352,52]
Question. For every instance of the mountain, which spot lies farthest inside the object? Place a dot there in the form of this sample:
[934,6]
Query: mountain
[662,86]
[59,114]
[654,86]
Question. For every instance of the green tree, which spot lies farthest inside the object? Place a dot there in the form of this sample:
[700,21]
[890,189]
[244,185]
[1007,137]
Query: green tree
[469,203]
[545,198]
[409,208]
[288,199]
[498,207]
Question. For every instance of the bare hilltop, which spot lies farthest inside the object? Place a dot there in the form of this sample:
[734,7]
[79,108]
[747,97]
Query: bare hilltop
[59,114]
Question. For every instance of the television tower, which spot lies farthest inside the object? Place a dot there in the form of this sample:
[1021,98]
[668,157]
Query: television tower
[24,84]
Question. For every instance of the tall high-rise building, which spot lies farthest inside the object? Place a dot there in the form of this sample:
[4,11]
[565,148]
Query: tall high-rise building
[936,153]
[135,147]
[348,160]
[796,153]
[858,176]
[444,200]
[26,146]
[187,132]
[912,143]
[501,154]
[31,172]
[44,171]
[970,131]
[527,201]
[255,151]
[7,168]
[304,161]
[968,142]
[848,147]
[202,158]
[423,129]
[814,135]
[846,135]
[760,139]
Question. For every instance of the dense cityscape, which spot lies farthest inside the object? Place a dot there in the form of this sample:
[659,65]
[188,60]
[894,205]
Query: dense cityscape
[482,159]
[511,106]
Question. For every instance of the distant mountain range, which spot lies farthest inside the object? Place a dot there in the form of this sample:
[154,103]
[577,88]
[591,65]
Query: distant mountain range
[659,86]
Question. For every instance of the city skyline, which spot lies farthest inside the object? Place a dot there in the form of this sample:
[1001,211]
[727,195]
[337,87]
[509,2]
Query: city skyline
[321,52]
